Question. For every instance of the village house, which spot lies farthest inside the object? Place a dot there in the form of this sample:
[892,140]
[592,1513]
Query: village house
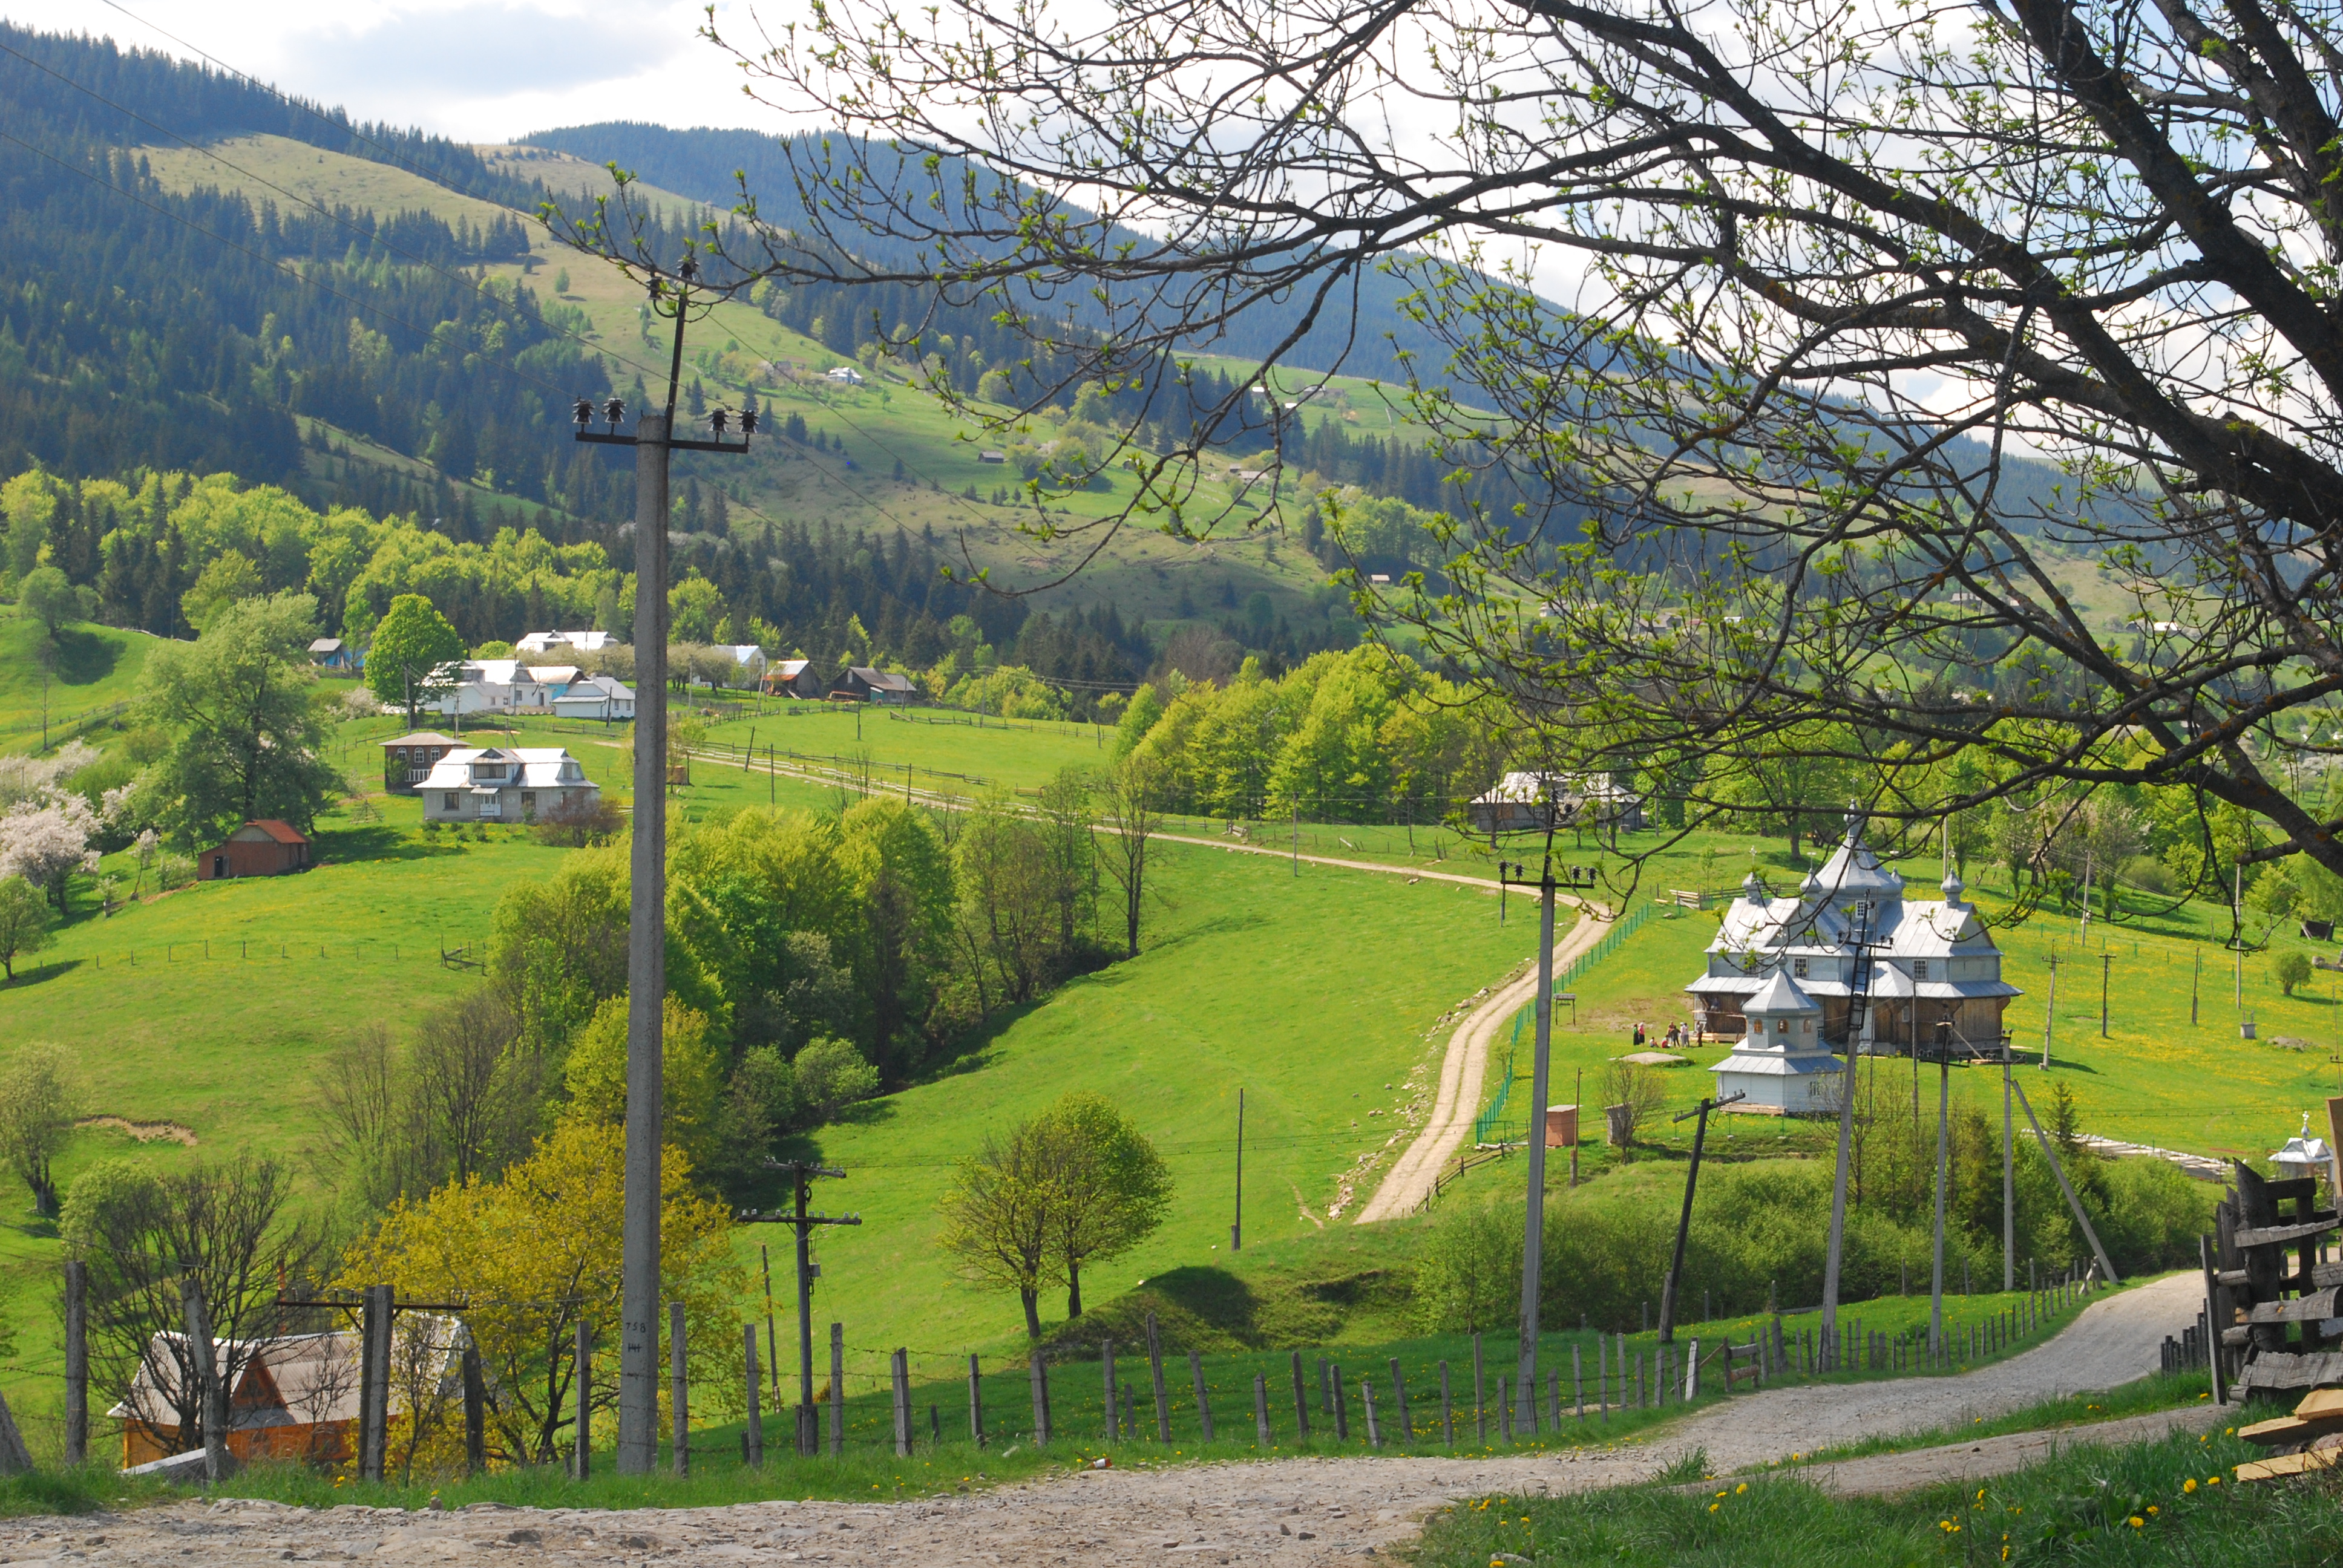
[406,759]
[333,653]
[504,784]
[544,642]
[748,655]
[294,1397]
[865,684]
[792,677]
[1929,962]
[1523,802]
[258,849]
[596,696]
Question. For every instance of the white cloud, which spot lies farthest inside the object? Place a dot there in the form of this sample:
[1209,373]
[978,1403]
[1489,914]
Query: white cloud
[482,71]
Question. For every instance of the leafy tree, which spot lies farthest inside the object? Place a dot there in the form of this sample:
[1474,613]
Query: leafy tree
[1112,1188]
[1130,814]
[23,921]
[692,1083]
[225,1226]
[227,579]
[1768,462]
[413,643]
[830,1075]
[2293,970]
[45,841]
[902,877]
[537,1249]
[48,597]
[998,1216]
[39,1098]
[244,737]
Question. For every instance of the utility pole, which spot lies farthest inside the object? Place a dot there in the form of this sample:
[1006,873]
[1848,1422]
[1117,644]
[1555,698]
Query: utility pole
[1236,1229]
[1944,1151]
[2009,1184]
[801,1178]
[2196,982]
[1684,1221]
[2105,959]
[2050,1011]
[653,439]
[1533,1219]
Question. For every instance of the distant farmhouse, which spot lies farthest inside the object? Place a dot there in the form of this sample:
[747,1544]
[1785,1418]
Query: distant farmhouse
[505,784]
[408,759]
[509,687]
[333,653]
[1523,802]
[864,684]
[792,677]
[544,642]
[295,1398]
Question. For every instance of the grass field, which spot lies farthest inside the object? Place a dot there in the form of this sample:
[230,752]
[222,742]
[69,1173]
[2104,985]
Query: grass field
[94,667]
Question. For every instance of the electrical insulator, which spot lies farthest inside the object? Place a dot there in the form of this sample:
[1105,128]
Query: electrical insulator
[583,412]
[717,420]
[748,421]
[614,411]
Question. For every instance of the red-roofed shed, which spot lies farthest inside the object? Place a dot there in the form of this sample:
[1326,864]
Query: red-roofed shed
[267,849]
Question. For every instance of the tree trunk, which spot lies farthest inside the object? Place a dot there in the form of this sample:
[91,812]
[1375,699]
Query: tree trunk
[1033,1301]
[1073,1288]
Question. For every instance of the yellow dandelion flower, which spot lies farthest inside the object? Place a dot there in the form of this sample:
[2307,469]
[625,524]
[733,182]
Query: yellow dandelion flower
[2137,1522]
[1740,1489]
[2189,1484]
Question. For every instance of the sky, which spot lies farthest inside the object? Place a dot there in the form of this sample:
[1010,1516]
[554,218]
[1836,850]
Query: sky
[476,70]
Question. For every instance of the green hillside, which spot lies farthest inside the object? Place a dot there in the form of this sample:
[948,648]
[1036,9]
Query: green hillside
[87,673]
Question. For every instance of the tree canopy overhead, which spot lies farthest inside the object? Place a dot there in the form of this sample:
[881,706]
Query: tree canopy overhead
[1830,271]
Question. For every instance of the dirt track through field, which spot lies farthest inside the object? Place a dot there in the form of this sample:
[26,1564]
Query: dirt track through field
[1290,1514]
[1461,1073]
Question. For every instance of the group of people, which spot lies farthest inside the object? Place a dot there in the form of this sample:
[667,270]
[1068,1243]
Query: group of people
[1678,1038]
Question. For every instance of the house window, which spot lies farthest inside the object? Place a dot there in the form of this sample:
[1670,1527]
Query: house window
[1806,1026]
[1798,968]
[1919,968]
[452,802]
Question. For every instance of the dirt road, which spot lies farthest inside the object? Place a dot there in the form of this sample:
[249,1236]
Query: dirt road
[1289,1513]
[1461,1073]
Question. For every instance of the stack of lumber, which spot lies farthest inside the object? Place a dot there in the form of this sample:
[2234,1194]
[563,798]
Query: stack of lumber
[2311,1438]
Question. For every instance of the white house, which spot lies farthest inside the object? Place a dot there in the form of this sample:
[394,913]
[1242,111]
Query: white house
[1929,962]
[746,654]
[1520,802]
[1783,1065]
[596,696]
[846,374]
[490,686]
[548,641]
[509,784]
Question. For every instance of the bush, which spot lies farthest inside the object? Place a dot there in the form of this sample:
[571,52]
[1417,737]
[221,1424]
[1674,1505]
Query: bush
[832,1075]
[580,821]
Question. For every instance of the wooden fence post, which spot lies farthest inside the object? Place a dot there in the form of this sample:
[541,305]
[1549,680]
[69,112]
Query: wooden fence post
[1155,1374]
[1480,1396]
[1367,1404]
[1691,1370]
[837,1391]
[899,1365]
[975,1405]
[1578,1382]
[1106,1371]
[1505,1408]
[1039,1370]
[582,1377]
[77,1363]
[1203,1398]
[1301,1403]
[475,1411]
[752,1432]
[1325,1390]
[1447,1409]
[1342,1406]
[678,1388]
[1399,1406]
[1261,1409]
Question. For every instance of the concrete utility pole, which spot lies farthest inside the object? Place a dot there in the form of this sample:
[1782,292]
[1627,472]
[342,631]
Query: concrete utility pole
[653,439]
[2008,1184]
[1944,1152]
[1236,1228]
[1534,1217]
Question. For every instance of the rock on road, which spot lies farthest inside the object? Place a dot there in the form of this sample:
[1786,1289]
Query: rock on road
[1291,1513]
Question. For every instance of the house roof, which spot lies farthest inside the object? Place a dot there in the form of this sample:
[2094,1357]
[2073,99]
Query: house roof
[327,644]
[283,832]
[553,674]
[742,652]
[423,737]
[545,641]
[884,679]
[594,688]
[787,668]
[540,768]
[298,1380]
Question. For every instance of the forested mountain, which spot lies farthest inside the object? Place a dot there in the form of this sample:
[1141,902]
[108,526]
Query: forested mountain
[144,328]
[701,163]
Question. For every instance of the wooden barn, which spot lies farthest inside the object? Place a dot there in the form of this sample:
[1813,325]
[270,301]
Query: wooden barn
[262,848]
[293,1396]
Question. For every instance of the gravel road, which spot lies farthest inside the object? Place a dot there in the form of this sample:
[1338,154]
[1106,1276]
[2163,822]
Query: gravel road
[1287,1513]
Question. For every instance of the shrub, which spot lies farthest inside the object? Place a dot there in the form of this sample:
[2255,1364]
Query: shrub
[580,821]
[2293,970]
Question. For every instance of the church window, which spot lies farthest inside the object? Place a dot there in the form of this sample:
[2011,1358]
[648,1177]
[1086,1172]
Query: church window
[1798,968]
[1919,968]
